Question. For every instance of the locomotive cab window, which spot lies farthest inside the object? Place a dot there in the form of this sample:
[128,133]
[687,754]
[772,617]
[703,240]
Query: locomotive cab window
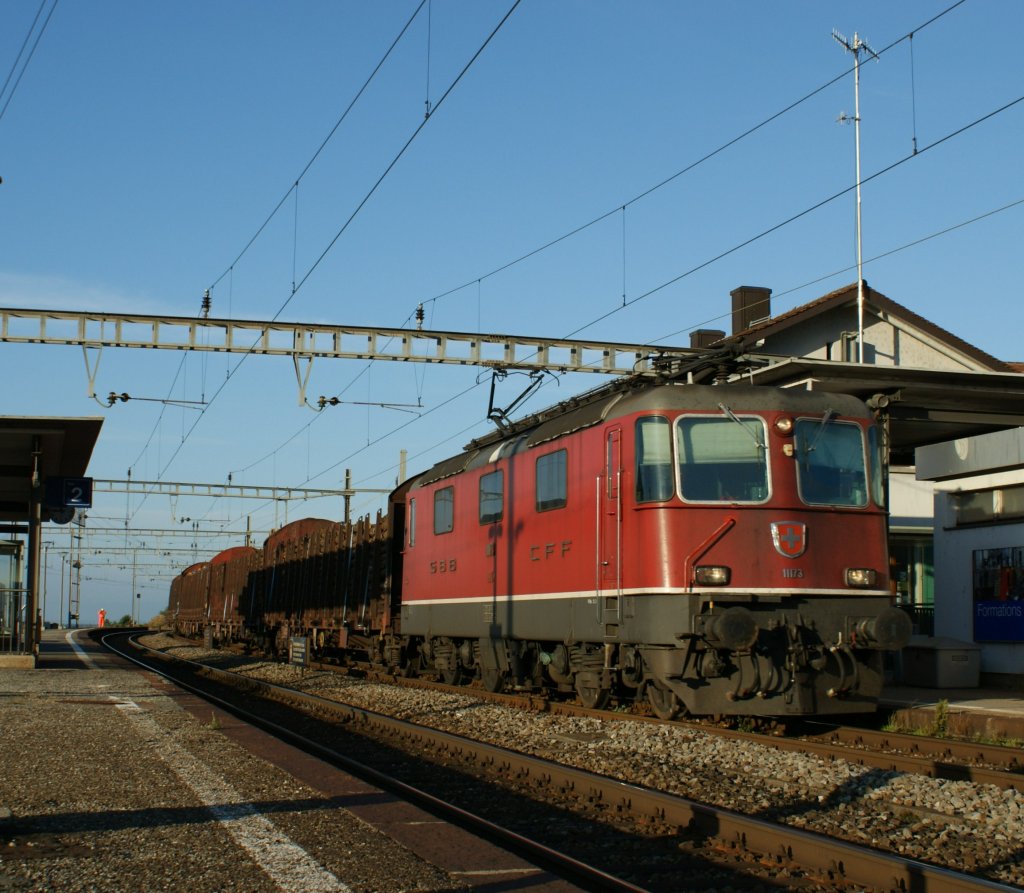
[654,478]
[444,510]
[831,468]
[722,458]
[552,481]
[877,466]
[492,497]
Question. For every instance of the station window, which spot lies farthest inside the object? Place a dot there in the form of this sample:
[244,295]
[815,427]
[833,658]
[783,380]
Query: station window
[552,486]
[492,496]
[654,481]
[444,510]
[989,506]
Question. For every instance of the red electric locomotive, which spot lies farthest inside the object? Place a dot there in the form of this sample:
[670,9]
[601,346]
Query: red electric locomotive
[717,549]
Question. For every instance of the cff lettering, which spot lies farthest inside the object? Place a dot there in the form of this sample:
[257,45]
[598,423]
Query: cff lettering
[549,550]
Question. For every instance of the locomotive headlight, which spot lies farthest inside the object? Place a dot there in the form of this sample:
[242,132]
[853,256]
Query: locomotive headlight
[712,575]
[784,425]
[861,577]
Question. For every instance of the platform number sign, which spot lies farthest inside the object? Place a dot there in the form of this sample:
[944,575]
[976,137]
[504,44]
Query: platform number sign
[74,493]
[78,492]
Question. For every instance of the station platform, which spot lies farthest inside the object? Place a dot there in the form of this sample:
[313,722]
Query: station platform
[114,780]
[965,712]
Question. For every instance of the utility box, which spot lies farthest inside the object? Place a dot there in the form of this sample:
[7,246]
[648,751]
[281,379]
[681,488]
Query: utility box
[941,663]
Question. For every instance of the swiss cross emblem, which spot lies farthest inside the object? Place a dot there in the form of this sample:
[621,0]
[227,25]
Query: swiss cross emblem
[789,538]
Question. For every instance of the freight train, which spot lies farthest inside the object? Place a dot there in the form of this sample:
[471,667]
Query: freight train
[710,549]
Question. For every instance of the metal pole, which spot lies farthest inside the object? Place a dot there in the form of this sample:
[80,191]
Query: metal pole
[46,566]
[35,527]
[60,613]
[71,575]
[348,495]
[856,131]
[857,47]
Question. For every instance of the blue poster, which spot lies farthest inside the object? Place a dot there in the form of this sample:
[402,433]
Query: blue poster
[999,595]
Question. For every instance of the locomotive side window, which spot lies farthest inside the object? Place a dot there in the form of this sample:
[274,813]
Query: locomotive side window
[444,510]
[412,522]
[552,477]
[830,462]
[492,497]
[722,459]
[654,479]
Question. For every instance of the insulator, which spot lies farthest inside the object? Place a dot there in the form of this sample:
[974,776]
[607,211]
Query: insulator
[420,315]
[207,303]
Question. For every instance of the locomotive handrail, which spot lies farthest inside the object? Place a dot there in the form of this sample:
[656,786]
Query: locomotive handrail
[703,548]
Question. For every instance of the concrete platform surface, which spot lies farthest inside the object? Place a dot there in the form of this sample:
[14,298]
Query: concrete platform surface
[993,713]
[113,780]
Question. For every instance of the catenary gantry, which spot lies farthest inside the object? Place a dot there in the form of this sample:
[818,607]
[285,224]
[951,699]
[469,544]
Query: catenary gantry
[303,342]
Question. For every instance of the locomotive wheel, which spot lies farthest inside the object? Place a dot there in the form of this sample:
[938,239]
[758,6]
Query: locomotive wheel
[452,676]
[664,702]
[493,680]
[591,695]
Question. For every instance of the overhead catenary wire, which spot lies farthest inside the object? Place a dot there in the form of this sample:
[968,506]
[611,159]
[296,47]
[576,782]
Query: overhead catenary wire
[321,147]
[881,256]
[737,247]
[957,132]
[750,131]
[772,229]
[623,207]
[906,246]
[373,189]
[28,59]
[792,219]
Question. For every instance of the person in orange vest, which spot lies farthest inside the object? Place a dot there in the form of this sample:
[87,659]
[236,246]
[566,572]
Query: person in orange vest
[103,616]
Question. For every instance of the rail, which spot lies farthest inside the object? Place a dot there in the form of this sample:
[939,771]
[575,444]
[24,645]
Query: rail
[836,860]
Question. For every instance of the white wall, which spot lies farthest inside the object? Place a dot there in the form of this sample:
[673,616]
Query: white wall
[911,502]
[954,595]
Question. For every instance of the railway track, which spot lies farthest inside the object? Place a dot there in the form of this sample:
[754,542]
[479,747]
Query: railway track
[976,762]
[768,852]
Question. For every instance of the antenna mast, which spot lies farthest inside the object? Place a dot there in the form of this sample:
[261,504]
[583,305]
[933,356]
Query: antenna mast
[857,47]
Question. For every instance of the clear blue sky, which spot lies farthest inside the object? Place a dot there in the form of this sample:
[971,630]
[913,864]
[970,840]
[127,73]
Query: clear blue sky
[146,143]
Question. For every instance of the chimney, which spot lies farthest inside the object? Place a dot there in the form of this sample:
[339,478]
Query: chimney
[749,304]
[702,338]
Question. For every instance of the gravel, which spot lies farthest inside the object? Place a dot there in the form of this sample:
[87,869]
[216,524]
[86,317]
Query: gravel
[962,825]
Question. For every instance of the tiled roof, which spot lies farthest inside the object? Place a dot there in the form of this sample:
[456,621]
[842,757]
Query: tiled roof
[848,294]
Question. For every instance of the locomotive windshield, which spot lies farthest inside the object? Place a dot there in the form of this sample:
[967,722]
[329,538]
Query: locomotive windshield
[722,459]
[830,462]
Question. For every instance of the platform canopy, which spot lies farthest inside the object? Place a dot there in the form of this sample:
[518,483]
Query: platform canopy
[36,448]
[923,406]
